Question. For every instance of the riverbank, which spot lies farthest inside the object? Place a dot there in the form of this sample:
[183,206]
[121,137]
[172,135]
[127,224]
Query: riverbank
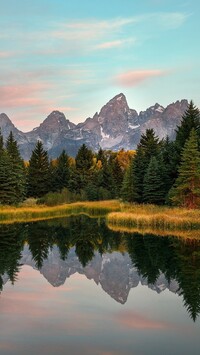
[123,216]
[154,217]
[12,214]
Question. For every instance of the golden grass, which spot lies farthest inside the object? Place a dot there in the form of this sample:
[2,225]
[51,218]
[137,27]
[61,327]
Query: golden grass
[121,216]
[155,217]
[26,214]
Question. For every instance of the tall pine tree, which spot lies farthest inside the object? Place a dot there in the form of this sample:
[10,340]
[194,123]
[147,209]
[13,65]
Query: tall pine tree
[62,172]
[38,172]
[190,120]
[17,168]
[186,190]
[154,191]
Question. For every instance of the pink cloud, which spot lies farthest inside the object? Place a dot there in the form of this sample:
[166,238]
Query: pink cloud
[6,54]
[66,108]
[133,320]
[23,95]
[135,77]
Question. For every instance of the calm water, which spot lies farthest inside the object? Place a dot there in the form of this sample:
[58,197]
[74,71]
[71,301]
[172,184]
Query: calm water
[72,286]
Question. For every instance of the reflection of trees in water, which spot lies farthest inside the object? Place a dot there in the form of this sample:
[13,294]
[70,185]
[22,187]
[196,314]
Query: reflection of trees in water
[188,274]
[151,255]
[11,245]
[175,258]
[40,241]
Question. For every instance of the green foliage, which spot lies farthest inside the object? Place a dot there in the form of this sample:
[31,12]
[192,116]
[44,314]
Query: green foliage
[190,120]
[62,172]
[129,191]
[1,141]
[17,169]
[92,191]
[148,147]
[38,172]
[168,158]
[59,198]
[149,143]
[186,191]
[84,159]
[153,183]
[105,182]
[118,175]
[101,156]
[7,183]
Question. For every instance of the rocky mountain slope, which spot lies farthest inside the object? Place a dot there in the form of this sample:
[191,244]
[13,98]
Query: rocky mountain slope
[116,126]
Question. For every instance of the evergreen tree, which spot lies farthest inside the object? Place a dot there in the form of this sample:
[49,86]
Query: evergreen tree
[105,182]
[92,191]
[153,183]
[190,120]
[186,191]
[1,142]
[62,172]
[7,183]
[17,168]
[118,175]
[38,172]
[149,146]
[52,176]
[129,190]
[101,156]
[6,187]
[83,170]
[168,159]
[84,159]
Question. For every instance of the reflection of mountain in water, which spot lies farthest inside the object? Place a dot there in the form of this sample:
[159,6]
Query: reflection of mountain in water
[117,262]
[114,272]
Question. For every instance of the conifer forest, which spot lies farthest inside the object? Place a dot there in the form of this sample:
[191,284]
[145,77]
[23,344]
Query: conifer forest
[160,172]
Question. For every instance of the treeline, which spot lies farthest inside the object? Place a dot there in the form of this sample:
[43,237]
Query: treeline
[88,176]
[164,171]
[159,172]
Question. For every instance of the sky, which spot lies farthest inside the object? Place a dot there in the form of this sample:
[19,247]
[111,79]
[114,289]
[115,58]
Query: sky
[74,56]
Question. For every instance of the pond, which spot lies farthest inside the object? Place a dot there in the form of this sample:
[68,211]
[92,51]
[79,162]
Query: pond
[73,286]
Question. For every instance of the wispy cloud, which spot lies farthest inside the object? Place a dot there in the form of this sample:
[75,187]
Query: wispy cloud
[115,44]
[91,30]
[136,77]
[172,20]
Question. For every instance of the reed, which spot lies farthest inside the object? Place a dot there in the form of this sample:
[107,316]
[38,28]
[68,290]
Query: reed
[119,215]
[34,213]
[155,217]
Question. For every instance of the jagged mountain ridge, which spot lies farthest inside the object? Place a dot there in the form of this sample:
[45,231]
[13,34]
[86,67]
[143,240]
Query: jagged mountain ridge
[116,126]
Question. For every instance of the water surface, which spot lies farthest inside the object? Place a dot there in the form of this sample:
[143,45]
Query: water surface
[72,286]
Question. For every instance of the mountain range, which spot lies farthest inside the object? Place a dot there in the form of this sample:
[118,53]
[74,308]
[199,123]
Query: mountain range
[116,126]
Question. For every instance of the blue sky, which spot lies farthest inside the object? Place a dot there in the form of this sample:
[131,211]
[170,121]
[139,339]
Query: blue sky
[75,56]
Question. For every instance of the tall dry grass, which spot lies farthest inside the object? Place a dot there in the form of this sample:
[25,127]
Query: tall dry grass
[155,217]
[25,214]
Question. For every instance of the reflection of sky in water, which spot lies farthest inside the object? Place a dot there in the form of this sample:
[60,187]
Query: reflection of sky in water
[80,318]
